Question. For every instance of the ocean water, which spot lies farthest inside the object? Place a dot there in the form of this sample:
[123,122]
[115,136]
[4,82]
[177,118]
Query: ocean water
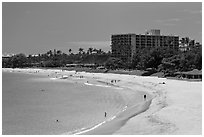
[32,104]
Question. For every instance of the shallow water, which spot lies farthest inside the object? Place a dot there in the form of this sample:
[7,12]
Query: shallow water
[31,104]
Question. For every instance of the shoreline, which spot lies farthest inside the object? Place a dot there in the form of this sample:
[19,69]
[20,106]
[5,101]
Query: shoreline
[121,117]
[165,107]
[112,125]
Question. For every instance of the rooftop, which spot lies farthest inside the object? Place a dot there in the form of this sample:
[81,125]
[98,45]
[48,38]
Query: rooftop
[143,34]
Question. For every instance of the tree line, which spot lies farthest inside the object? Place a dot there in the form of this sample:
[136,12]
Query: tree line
[56,58]
[161,59]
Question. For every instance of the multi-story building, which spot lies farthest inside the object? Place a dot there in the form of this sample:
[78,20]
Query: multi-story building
[124,46]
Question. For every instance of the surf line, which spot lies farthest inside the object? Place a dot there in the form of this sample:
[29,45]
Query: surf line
[141,108]
[97,85]
[105,86]
[84,130]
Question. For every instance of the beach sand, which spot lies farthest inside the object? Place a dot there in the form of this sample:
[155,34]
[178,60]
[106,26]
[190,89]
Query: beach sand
[176,107]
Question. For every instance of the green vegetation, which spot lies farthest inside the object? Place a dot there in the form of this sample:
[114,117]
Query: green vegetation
[157,59]
[57,58]
[167,60]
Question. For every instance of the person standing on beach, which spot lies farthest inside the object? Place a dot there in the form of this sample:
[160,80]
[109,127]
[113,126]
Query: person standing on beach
[105,114]
[145,96]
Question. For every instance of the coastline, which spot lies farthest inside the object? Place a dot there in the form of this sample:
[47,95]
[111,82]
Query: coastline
[112,125]
[176,109]
[70,101]
[159,115]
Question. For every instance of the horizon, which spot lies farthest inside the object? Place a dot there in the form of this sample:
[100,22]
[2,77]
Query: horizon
[35,28]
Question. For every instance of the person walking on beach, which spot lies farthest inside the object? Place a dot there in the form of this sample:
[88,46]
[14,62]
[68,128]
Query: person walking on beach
[145,96]
[105,114]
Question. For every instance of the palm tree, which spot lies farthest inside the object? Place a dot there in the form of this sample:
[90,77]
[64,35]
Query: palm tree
[70,50]
[99,51]
[59,52]
[187,40]
[95,50]
[90,50]
[49,53]
[81,50]
[19,60]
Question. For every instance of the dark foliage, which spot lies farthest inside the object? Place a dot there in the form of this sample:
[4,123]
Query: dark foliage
[160,59]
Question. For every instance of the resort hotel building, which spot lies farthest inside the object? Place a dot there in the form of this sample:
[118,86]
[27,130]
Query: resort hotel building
[124,46]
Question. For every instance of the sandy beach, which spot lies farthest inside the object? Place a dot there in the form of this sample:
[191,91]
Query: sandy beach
[172,106]
[176,109]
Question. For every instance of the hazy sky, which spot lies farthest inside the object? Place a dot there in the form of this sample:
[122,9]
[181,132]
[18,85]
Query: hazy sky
[38,27]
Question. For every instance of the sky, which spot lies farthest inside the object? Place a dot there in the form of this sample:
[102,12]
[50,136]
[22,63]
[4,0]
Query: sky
[34,28]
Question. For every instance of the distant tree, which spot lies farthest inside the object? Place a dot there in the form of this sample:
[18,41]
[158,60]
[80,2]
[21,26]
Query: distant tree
[109,52]
[145,61]
[170,63]
[19,60]
[89,51]
[99,51]
[95,50]
[59,52]
[49,53]
[81,50]
[198,58]
[114,63]
[182,61]
[135,60]
[70,51]
[6,62]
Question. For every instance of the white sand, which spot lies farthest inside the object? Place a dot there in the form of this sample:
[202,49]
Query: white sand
[176,108]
